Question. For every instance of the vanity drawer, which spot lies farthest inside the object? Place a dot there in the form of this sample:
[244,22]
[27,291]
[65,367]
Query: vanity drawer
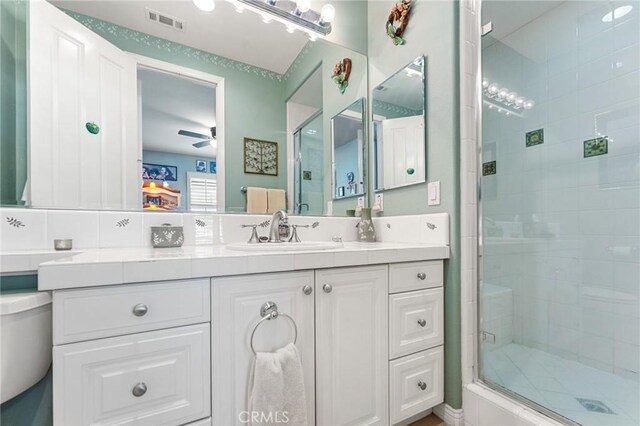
[154,378]
[415,275]
[94,313]
[416,321]
[416,383]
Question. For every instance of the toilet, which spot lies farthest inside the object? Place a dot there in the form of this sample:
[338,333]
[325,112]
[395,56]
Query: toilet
[25,341]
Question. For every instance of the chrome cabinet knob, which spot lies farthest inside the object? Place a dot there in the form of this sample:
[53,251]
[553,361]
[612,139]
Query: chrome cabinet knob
[422,276]
[422,385]
[422,322]
[307,289]
[139,390]
[327,288]
[140,310]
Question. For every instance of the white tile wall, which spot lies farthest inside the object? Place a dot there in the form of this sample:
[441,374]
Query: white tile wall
[28,229]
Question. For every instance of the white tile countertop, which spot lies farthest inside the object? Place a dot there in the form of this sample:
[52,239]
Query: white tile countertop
[97,267]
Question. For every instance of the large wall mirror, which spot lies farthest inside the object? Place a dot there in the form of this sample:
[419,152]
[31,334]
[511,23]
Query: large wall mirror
[399,128]
[348,147]
[159,105]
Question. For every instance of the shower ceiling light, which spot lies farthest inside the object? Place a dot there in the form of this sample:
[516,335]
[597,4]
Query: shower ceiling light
[294,14]
[504,98]
[617,13]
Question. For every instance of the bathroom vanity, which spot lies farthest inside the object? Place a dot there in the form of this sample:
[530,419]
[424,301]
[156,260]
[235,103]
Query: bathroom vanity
[369,329]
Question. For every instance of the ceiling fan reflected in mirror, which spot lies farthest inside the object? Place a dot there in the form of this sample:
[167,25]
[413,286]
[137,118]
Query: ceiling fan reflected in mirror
[207,139]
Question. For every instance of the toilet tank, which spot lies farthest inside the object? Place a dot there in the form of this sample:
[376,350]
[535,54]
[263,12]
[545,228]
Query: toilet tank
[25,341]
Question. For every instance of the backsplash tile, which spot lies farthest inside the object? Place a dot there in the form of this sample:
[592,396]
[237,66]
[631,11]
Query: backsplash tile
[80,226]
[120,229]
[150,219]
[22,229]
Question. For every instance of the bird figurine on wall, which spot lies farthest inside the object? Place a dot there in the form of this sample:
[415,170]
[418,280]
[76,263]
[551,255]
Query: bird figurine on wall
[398,20]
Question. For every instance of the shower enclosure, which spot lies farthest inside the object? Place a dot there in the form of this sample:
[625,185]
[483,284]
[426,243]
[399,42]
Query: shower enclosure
[308,152]
[559,211]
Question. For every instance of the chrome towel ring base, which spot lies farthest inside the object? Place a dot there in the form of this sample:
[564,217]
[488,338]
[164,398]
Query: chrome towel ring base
[269,311]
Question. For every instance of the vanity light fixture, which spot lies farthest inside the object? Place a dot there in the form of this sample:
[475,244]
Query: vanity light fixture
[503,98]
[294,14]
[205,5]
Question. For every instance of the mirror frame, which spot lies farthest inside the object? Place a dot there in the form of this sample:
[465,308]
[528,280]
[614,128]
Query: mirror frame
[363,103]
[374,161]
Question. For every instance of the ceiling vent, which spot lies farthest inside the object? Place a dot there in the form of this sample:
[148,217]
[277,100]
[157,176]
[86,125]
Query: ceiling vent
[164,19]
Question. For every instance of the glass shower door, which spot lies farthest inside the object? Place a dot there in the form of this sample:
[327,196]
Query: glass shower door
[308,170]
[560,267]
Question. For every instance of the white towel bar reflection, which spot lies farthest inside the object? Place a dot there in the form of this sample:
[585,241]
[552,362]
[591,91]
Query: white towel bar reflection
[269,311]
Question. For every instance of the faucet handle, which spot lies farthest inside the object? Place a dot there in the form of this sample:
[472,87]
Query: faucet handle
[294,234]
[254,233]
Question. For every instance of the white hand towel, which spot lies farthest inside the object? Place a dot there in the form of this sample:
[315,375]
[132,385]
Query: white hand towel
[276,389]
[256,200]
[276,200]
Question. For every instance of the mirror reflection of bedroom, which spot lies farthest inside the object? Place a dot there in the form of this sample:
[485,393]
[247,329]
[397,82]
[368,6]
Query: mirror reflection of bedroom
[178,131]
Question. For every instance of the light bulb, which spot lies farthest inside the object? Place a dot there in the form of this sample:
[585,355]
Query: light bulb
[205,5]
[493,89]
[529,104]
[485,84]
[503,93]
[520,101]
[327,14]
[302,6]
[512,97]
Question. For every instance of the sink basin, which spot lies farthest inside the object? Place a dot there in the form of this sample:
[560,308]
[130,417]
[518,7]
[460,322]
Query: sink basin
[271,247]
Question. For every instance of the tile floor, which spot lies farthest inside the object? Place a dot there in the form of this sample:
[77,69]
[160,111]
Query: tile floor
[565,386]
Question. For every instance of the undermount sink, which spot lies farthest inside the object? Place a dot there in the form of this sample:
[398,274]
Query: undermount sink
[304,246]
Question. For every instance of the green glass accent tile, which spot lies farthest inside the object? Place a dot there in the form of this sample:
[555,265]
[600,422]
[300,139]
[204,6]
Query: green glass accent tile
[306,174]
[535,137]
[489,168]
[597,146]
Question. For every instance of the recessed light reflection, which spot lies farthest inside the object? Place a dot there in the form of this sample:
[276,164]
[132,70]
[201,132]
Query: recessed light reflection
[617,13]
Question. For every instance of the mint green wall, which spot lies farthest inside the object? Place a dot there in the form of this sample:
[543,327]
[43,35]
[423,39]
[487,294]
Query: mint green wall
[13,106]
[254,101]
[433,32]
[333,102]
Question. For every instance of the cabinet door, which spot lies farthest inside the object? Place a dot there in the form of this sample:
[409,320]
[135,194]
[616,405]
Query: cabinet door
[235,307]
[75,78]
[352,346]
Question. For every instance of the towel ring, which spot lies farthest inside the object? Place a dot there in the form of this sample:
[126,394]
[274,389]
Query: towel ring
[269,311]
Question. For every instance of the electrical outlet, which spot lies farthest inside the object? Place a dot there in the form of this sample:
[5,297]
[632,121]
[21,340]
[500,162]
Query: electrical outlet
[361,202]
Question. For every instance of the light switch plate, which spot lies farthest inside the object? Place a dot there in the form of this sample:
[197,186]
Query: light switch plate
[433,193]
[378,202]
[361,202]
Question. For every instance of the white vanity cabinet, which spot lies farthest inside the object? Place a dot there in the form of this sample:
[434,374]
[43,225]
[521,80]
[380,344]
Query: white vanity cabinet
[416,336]
[140,354]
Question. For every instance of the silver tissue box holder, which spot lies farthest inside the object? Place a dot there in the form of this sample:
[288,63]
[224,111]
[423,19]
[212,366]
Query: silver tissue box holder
[166,236]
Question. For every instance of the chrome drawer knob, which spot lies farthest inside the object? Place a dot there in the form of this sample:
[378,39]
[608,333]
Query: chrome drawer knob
[307,289]
[140,310]
[327,288]
[422,276]
[139,390]
[422,385]
[422,322]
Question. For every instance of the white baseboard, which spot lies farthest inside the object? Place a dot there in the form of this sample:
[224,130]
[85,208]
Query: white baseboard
[450,415]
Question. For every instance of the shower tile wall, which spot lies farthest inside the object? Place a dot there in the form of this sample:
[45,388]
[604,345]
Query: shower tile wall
[562,231]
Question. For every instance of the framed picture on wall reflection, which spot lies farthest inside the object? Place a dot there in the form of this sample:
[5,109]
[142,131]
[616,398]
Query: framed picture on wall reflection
[159,172]
[213,167]
[201,166]
[260,157]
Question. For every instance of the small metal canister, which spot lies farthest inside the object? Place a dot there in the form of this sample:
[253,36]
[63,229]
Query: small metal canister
[167,236]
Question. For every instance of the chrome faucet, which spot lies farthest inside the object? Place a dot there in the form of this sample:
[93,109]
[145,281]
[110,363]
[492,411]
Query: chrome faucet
[279,226]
